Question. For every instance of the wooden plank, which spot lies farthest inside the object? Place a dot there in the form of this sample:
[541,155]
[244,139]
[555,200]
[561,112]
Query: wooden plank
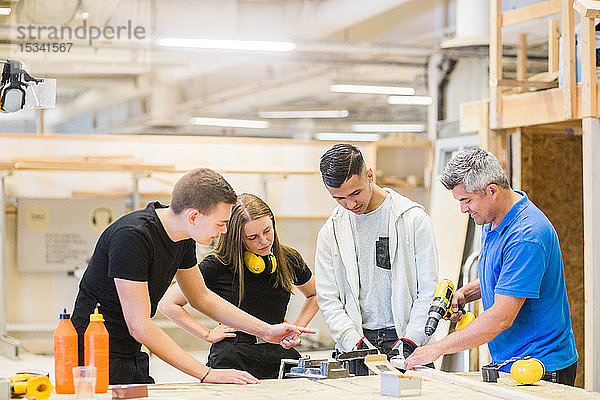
[591,223]
[112,138]
[515,163]
[482,387]
[495,114]
[553,43]
[568,61]
[527,84]
[589,94]
[534,11]
[521,57]
[527,109]
[461,386]
[494,140]
[587,8]
[543,389]
[92,166]
[83,158]
[470,115]
[533,108]
[484,125]
[569,128]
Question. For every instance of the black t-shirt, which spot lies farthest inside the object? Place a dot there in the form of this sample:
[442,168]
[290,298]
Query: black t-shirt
[261,299]
[136,247]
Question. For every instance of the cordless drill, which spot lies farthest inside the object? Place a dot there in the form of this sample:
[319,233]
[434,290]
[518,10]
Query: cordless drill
[29,384]
[441,307]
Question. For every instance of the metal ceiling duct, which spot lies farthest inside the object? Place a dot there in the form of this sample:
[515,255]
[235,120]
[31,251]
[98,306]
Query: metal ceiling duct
[472,24]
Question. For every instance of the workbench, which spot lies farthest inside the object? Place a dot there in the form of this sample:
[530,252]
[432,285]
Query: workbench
[353,388]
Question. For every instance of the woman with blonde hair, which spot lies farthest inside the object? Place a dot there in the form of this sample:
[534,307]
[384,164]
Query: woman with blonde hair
[250,268]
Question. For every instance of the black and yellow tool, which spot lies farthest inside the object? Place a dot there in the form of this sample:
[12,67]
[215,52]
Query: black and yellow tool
[441,307]
[525,370]
[32,385]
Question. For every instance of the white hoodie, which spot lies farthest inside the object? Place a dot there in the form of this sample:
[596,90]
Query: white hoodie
[413,257]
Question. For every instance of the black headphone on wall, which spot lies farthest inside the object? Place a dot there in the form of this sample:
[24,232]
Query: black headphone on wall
[264,265]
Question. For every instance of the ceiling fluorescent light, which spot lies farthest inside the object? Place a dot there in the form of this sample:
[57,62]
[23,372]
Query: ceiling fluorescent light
[304,114]
[5,10]
[230,123]
[348,137]
[412,100]
[388,127]
[372,89]
[223,44]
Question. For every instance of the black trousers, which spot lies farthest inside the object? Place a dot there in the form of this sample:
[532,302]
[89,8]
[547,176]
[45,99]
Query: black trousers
[125,370]
[565,376]
[383,339]
[261,360]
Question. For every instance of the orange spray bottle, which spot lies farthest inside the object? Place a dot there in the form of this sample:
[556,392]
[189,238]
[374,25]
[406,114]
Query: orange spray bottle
[96,349]
[65,354]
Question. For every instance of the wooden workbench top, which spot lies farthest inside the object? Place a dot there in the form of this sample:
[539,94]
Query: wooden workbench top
[349,389]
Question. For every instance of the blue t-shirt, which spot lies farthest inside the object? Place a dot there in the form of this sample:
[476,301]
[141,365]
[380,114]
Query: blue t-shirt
[521,258]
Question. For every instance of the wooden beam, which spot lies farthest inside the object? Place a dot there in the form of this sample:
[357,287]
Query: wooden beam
[587,8]
[470,115]
[589,94]
[534,108]
[493,140]
[495,113]
[477,385]
[526,84]
[92,166]
[553,52]
[591,238]
[484,125]
[568,60]
[534,11]
[522,57]
[515,159]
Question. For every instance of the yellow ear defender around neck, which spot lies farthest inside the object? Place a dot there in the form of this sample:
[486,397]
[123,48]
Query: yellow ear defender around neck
[260,264]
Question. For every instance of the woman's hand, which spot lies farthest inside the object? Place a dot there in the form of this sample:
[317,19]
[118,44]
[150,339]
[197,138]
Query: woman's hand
[229,376]
[219,333]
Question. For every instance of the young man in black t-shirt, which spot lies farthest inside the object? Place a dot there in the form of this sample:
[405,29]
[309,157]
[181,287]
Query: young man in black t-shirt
[132,266]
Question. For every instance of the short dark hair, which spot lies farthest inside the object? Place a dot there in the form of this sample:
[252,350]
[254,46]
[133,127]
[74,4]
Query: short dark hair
[340,163]
[201,189]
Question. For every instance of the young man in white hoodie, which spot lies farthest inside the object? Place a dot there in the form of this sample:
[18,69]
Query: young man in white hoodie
[376,261]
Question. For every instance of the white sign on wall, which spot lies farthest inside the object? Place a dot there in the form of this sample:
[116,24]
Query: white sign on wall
[60,234]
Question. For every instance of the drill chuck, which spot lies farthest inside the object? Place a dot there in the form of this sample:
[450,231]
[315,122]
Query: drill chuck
[431,325]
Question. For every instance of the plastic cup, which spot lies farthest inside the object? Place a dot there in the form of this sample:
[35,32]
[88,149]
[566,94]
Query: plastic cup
[84,380]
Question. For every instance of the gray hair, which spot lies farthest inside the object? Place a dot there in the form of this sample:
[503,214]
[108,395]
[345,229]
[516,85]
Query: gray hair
[474,168]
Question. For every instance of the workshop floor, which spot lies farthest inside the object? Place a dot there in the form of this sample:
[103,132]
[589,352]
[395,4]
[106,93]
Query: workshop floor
[159,370]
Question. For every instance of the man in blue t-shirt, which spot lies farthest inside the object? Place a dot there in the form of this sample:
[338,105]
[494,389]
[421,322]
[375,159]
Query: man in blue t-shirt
[521,279]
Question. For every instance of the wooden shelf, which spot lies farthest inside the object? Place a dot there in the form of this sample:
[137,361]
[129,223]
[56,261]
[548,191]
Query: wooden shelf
[524,109]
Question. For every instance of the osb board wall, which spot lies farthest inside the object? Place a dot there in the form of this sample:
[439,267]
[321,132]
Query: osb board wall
[551,174]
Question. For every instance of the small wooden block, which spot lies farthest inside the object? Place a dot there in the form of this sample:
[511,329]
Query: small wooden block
[129,391]
[4,389]
[400,386]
